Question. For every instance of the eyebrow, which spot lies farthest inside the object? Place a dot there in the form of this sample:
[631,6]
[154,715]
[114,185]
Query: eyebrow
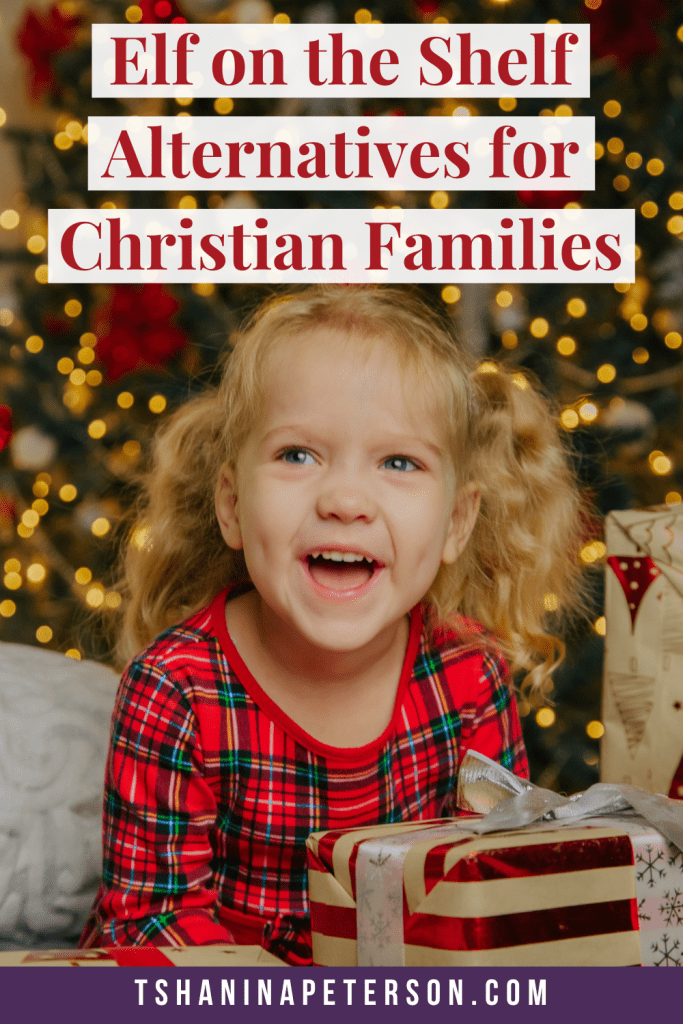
[288,428]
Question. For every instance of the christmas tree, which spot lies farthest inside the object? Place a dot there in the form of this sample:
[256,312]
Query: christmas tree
[87,371]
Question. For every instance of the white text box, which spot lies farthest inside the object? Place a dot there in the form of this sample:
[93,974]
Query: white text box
[347,153]
[341,245]
[341,60]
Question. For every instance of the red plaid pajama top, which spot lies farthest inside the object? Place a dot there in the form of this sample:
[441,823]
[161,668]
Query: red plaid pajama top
[211,791]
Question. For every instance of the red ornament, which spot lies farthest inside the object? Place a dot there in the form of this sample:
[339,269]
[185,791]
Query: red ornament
[427,8]
[5,426]
[548,200]
[635,575]
[158,12]
[39,37]
[134,330]
[623,29]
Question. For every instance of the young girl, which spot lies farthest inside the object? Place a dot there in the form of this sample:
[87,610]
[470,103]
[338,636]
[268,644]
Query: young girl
[340,543]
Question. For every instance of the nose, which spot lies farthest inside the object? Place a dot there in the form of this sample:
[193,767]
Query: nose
[346,498]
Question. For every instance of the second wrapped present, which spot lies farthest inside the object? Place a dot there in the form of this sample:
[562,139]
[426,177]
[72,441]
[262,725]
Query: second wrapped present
[540,880]
[434,894]
[643,692]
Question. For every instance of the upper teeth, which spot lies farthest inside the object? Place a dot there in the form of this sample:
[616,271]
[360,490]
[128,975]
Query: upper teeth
[340,556]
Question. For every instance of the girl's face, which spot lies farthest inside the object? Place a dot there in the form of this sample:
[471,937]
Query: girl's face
[344,497]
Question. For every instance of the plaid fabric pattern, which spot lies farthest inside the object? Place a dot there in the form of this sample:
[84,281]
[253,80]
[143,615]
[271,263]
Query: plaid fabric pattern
[211,791]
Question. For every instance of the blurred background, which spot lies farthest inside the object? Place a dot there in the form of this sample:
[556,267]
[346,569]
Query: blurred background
[87,371]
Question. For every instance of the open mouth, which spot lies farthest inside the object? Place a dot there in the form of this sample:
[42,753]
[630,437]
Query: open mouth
[337,570]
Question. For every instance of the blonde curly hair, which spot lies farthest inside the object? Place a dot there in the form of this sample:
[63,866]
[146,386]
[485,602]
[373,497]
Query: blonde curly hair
[502,435]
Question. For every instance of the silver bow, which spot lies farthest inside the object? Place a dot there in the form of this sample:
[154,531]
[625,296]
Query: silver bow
[509,802]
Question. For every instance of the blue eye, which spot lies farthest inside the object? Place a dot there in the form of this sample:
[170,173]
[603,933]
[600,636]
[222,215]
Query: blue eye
[401,463]
[297,457]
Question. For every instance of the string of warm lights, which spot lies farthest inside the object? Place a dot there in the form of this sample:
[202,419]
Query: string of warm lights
[68,513]
[44,556]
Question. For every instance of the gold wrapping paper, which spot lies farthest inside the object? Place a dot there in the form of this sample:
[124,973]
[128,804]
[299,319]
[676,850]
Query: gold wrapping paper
[643,676]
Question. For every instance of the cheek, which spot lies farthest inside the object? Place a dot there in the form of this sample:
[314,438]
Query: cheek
[425,509]
[271,512]
[421,528]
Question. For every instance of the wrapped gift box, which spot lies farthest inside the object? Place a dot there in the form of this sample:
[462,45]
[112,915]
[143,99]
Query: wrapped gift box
[434,894]
[643,683]
[144,956]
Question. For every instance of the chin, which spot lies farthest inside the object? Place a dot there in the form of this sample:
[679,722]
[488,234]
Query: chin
[342,638]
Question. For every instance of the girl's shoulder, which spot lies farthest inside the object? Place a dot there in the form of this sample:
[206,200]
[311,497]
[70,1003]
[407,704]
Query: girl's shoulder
[183,636]
[464,648]
[181,655]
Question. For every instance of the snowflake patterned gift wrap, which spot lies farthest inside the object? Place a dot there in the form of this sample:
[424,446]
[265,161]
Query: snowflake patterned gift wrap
[643,682]
[432,894]
[659,884]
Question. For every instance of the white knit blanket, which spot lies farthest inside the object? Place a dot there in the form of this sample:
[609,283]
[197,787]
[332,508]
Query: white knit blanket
[55,715]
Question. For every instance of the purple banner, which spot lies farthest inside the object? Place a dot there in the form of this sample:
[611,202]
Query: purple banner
[181,996]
